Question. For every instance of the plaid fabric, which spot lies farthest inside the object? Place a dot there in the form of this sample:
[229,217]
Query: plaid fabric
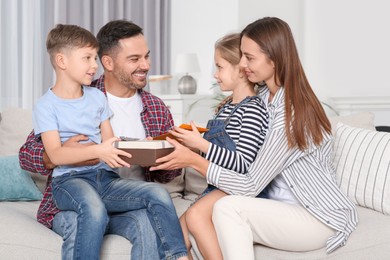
[156,119]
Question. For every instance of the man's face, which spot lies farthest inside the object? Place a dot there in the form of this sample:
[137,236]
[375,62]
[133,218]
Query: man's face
[132,62]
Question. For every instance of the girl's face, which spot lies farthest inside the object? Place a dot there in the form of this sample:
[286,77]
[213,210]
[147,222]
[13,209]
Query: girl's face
[258,67]
[226,74]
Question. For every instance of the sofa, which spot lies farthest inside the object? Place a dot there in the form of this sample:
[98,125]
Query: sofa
[362,173]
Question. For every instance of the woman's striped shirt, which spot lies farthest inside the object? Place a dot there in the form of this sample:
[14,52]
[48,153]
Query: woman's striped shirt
[310,174]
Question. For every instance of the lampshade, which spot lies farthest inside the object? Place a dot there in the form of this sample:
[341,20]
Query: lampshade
[186,63]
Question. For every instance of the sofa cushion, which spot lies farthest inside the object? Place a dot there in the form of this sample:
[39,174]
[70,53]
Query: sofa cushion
[363,120]
[15,183]
[362,161]
[15,125]
[195,183]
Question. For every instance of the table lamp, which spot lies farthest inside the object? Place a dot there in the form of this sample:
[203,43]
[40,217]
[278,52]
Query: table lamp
[186,63]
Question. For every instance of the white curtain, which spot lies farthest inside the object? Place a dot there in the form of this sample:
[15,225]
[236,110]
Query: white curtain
[25,70]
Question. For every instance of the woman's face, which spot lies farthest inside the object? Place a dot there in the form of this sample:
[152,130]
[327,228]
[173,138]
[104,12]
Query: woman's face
[258,67]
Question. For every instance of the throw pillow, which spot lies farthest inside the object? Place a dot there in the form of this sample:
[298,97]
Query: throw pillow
[15,183]
[362,161]
[363,120]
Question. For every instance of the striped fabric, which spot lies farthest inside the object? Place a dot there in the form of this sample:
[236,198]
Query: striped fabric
[310,174]
[247,128]
[363,166]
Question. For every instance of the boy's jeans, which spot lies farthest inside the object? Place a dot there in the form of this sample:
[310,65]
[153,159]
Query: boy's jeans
[133,225]
[93,194]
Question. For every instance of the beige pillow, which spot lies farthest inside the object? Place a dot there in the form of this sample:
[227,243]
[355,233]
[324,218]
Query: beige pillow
[175,187]
[194,182]
[15,125]
[363,120]
[362,161]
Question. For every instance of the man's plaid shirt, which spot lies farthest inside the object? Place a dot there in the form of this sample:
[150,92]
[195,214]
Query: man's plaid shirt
[156,119]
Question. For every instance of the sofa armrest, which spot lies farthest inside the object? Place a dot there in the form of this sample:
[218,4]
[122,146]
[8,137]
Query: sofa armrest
[383,128]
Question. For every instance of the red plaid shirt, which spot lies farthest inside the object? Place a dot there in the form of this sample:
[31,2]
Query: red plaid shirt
[157,120]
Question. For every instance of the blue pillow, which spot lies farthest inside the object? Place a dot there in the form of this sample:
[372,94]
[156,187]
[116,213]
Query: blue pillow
[15,183]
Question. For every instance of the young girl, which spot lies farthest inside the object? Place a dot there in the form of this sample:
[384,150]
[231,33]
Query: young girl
[233,140]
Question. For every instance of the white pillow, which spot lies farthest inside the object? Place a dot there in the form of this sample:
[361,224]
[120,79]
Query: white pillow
[362,161]
[363,120]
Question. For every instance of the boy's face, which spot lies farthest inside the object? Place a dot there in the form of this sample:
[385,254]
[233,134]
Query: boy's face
[81,64]
[131,63]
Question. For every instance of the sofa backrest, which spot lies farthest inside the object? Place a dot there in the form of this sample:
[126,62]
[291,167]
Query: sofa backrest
[15,125]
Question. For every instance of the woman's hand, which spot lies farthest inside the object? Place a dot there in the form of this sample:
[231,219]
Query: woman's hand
[192,139]
[181,157]
[110,155]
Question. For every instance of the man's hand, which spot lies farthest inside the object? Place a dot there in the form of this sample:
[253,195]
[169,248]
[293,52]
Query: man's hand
[74,141]
[46,162]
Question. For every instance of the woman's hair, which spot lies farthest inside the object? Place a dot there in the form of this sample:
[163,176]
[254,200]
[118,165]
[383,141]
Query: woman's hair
[305,117]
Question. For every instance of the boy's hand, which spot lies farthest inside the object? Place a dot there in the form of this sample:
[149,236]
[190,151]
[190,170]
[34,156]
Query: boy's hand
[110,155]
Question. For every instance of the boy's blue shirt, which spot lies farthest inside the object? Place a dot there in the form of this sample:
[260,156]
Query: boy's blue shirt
[71,117]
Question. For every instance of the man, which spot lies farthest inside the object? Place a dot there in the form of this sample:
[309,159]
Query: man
[124,54]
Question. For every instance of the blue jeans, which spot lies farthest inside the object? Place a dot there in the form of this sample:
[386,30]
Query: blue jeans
[133,225]
[95,194]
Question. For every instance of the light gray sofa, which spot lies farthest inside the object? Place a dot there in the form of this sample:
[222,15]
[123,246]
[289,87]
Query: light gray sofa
[22,237]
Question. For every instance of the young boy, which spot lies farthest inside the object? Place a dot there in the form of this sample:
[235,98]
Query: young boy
[70,108]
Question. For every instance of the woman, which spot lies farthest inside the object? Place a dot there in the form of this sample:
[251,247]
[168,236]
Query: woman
[306,210]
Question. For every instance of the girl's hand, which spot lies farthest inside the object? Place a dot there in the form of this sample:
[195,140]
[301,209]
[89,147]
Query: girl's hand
[192,139]
[110,155]
[181,157]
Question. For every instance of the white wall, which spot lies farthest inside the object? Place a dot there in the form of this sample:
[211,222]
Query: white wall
[344,45]
[347,50]
[196,25]
[291,11]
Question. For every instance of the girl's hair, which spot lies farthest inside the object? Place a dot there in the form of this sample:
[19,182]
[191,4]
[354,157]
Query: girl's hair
[229,48]
[305,117]
[66,36]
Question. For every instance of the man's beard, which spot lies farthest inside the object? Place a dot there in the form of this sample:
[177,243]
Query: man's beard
[127,81]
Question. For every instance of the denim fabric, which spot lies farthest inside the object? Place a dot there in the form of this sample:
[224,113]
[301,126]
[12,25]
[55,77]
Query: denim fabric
[218,135]
[65,225]
[89,192]
[133,225]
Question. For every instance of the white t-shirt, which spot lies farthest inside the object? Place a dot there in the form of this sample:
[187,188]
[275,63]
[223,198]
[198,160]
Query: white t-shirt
[126,119]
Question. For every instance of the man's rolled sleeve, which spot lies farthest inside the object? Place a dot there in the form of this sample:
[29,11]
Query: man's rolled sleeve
[31,155]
